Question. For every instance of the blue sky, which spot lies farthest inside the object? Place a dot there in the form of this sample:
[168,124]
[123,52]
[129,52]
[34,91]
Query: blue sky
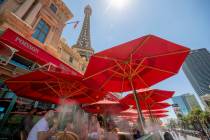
[185,22]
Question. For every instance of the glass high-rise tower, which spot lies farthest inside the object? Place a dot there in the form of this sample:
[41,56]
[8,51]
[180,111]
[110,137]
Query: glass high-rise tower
[197,70]
[186,103]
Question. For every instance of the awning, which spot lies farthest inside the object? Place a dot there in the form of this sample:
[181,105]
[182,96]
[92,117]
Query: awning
[33,52]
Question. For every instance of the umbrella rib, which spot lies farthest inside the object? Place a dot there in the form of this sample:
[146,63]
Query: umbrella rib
[142,80]
[139,65]
[163,95]
[97,73]
[170,53]
[154,68]
[118,73]
[107,80]
[60,88]
[130,74]
[75,92]
[140,45]
[122,87]
[149,95]
[52,89]
[70,88]
[89,97]
[45,88]
[107,58]
[49,74]
[118,64]
[66,83]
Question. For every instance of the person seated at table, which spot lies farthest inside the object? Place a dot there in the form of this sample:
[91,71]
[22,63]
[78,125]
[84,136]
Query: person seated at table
[94,129]
[27,122]
[69,126]
[41,130]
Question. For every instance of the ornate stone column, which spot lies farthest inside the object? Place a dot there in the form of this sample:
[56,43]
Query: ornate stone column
[50,36]
[24,8]
[32,15]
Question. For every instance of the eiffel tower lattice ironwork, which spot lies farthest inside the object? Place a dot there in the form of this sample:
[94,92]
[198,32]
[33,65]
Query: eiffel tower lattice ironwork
[83,45]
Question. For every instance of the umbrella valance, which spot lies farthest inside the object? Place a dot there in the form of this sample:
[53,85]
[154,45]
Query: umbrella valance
[156,116]
[105,106]
[148,96]
[154,106]
[154,111]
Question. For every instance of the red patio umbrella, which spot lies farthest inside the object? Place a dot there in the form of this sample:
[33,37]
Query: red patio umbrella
[53,87]
[154,106]
[105,106]
[133,112]
[129,118]
[157,116]
[155,111]
[129,112]
[137,64]
[148,96]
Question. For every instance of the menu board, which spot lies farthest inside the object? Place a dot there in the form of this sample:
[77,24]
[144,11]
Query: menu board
[22,108]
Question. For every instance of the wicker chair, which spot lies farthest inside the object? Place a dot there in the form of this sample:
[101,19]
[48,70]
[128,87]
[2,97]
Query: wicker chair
[66,135]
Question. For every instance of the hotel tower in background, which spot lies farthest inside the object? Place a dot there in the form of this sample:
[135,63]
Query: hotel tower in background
[184,104]
[197,70]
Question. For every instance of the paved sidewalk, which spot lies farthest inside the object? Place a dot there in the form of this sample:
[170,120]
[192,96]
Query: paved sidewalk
[184,137]
[181,137]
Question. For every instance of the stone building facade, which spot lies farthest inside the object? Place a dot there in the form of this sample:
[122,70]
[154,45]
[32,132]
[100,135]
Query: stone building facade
[72,56]
[40,22]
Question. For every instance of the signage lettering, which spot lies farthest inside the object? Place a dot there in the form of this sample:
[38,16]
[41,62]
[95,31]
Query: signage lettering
[26,44]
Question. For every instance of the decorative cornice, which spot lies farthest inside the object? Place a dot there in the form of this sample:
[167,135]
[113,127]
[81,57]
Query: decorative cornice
[17,23]
[61,6]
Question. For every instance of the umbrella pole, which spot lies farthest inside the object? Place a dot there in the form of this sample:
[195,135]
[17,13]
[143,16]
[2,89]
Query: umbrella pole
[151,116]
[140,115]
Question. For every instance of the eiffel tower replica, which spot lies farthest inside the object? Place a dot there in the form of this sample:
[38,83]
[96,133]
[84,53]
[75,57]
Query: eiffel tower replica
[83,45]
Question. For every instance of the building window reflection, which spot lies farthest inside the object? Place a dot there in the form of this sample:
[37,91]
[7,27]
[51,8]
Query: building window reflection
[41,31]
[53,8]
[71,59]
[1,1]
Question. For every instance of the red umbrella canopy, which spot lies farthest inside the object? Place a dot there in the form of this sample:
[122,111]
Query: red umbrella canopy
[144,62]
[154,106]
[156,116]
[148,96]
[51,87]
[105,106]
[133,112]
[129,112]
[145,116]
[155,112]
[130,118]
